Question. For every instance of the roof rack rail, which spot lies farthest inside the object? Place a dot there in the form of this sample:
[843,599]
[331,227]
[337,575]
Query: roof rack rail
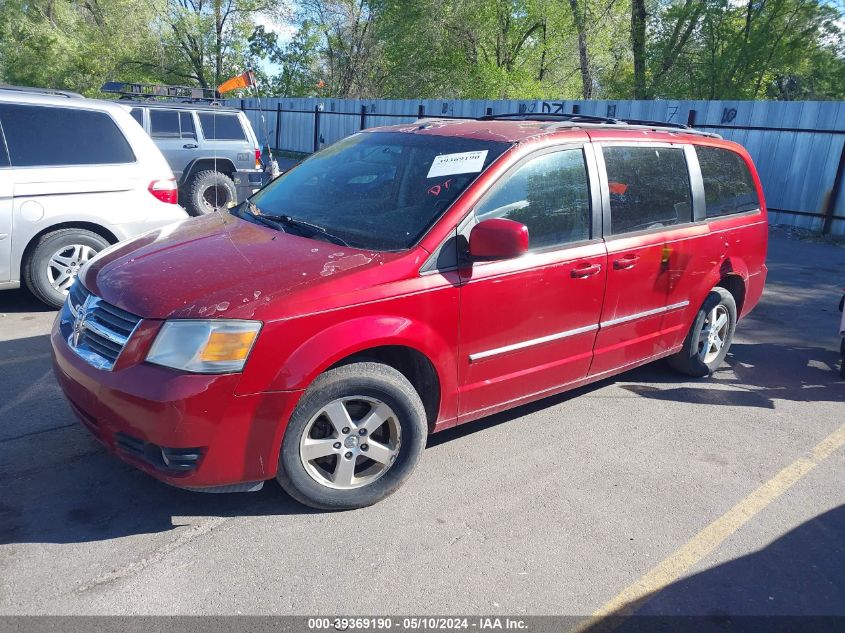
[563,119]
[43,91]
[155,92]
[649,123]
[549,116]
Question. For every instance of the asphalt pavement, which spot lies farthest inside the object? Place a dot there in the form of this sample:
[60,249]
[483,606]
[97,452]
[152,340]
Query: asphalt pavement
[552,508]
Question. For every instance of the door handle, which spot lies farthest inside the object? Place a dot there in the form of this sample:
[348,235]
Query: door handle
[587,270]
[190,146]
[629,261]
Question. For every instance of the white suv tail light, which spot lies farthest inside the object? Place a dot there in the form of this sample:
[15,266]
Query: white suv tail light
[165,190]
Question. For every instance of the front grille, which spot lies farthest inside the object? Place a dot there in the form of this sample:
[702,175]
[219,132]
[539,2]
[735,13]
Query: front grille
[96,330]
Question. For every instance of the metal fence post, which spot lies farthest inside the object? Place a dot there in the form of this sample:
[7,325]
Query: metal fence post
[576,108]
[691,118]
[830,210]
[421,111]
[363,117]
[317,109]
[278,125]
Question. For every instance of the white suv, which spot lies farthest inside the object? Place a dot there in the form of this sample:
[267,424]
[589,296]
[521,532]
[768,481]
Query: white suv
[76,175]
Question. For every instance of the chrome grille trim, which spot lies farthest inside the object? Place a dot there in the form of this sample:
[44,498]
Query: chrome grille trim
[94,329]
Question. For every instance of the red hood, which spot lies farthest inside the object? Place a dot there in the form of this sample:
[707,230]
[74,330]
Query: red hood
[220,265]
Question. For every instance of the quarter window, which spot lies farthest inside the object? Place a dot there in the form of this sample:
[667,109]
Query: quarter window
[728,186]
[47,136]
[548,194]
[221,127]
[649,187]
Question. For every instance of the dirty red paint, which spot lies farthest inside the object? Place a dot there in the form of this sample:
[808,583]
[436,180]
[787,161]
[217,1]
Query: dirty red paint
[321,303]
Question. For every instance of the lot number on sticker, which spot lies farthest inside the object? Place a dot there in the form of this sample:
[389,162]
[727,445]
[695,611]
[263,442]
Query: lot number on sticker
[461,163]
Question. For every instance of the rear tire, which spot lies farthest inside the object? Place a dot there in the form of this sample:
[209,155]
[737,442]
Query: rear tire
[52,265]
[355,437]
[705,348]
[210,191]
[842,354]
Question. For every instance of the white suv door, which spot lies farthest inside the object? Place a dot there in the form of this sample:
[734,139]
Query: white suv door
[6,192]
[5,223]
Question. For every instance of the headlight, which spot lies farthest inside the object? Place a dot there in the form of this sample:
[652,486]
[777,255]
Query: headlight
[206,347]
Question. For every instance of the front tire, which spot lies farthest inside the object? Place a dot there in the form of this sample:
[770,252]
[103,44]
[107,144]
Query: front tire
[710,336]
[52,266]
[210,191]
[355,437]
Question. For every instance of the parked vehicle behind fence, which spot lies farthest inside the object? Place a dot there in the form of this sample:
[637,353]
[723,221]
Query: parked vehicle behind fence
[75,176]
[405,280]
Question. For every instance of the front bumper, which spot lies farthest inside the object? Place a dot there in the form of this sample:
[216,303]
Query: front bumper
[188,430]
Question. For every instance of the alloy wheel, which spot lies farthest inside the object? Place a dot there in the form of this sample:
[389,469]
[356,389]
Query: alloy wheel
[64,265]
[714,334]
[350,442]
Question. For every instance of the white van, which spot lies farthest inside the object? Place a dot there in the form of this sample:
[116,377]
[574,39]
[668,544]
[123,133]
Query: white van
[76,175]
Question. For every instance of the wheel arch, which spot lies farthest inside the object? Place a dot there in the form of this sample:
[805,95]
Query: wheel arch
[100,230]
[411,347]
[735,284]
[411,363]
[208,163]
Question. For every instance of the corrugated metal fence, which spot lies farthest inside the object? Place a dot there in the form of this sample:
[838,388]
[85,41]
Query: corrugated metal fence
[798,146]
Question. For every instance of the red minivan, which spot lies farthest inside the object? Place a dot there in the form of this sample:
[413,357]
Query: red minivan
[404,280]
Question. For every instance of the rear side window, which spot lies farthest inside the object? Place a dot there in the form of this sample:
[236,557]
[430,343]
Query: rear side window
[186,125]
[221,127]
[728,186]
[164,123]
[47,136]
[548,194]
[4,155]
[649,187]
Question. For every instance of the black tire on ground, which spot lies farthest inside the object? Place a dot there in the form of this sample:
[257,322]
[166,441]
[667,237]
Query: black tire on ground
[842,354]
[35,266]
[209,191]
[688,361]
[366,379]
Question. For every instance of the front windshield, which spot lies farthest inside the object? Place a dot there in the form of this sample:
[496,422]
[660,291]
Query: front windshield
[379,190]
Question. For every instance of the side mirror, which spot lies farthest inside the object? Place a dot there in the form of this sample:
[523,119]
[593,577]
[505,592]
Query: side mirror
[498,239]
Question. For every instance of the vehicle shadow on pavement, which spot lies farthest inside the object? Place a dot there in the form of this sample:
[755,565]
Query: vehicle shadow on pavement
[797,574]
[754,375]
[58,485]
[21,300]
[89,495]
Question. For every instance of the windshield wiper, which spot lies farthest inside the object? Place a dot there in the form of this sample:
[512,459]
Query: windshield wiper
[304,224]
[254,213]
[280,221]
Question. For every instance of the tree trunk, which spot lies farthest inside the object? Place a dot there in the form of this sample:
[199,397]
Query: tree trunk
[583,55]
[638,19]
[218,43]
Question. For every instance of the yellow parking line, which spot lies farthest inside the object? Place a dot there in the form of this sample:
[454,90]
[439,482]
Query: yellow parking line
[708,539]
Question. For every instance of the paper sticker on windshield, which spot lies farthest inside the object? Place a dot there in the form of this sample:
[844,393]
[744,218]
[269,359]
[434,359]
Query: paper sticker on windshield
[462,163]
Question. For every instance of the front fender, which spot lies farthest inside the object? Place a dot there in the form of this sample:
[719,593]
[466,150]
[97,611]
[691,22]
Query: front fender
[301,349]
